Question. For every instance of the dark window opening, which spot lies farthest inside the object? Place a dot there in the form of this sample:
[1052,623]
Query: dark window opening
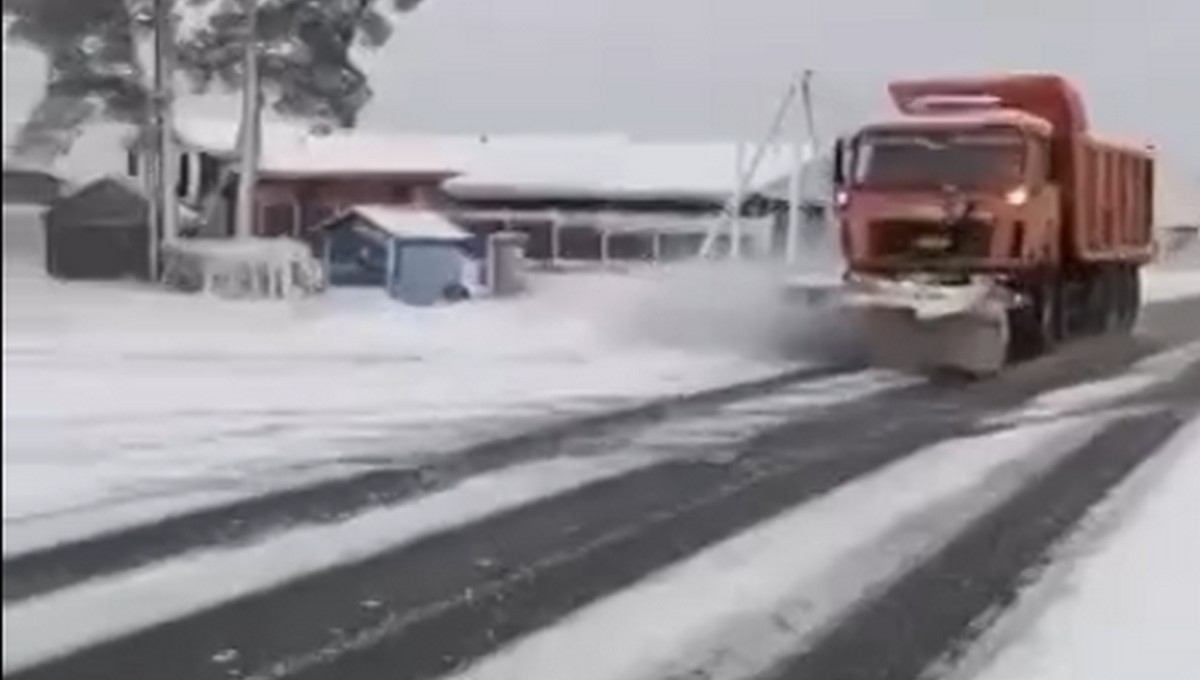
[184,176]
[278,220]
[210,173]
[970,158]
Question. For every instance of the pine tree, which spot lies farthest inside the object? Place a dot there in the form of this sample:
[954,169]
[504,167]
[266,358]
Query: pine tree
[96,72]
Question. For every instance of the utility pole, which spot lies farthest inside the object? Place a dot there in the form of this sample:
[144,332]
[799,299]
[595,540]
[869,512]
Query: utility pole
[802,152]
[250,135]
[739,198]
[156,146]
[745,175]
[164,93]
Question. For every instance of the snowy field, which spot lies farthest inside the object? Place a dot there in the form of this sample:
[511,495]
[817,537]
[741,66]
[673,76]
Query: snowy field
[122,401]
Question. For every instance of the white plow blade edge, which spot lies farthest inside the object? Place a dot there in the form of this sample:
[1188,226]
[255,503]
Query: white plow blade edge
[919,326]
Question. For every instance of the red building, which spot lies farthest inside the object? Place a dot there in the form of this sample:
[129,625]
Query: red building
[305,178]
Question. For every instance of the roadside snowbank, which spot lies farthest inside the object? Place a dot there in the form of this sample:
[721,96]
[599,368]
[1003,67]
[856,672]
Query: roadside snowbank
[1132,608]
[1160,284]
[125,400]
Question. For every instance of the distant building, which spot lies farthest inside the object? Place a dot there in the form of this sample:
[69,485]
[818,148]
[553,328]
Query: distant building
[306,178]
[591,197]
[99,232]
[418,257]
[31,186]
[604,199]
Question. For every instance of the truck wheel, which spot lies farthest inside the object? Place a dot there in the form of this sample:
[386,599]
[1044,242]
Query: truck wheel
[1113,298]
[1132,287]
[1037,327]
[1050,316]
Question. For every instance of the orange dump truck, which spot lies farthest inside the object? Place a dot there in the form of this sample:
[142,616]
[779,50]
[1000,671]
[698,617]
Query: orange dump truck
[986,224]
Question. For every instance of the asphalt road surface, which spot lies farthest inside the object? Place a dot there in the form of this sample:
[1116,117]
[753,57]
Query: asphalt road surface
[453,597]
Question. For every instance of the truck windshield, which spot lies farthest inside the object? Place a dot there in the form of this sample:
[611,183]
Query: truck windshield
[938,158]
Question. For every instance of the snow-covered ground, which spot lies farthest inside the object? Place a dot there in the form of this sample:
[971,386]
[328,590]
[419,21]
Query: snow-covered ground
[187,582]
[1160,284]
[121,401]
[1129,607]
[769,590]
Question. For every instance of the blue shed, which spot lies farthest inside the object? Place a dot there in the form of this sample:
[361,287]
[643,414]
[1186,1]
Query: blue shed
[419,257]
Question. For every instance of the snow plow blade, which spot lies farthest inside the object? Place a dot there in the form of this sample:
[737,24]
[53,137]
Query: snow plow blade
[931,329]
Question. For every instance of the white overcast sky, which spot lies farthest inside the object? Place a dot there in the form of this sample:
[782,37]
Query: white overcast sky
[697,68]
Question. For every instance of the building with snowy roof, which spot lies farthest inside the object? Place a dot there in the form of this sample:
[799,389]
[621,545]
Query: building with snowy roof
[620,199]
[572,196]
[419,257]
[307,177]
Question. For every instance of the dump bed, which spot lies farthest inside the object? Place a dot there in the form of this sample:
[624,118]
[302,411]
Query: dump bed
[1108,201]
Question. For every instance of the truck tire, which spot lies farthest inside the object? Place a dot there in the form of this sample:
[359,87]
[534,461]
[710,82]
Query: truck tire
[1131,307]
[1113,298]
[1050,315]
[1036,327]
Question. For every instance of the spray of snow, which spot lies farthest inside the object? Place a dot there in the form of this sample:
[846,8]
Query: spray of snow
[748,307]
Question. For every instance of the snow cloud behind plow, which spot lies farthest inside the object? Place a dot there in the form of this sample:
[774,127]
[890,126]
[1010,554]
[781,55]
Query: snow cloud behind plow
[746,307]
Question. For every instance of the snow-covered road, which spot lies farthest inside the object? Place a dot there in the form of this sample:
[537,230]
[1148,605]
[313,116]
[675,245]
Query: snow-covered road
[654,556]
[122,403]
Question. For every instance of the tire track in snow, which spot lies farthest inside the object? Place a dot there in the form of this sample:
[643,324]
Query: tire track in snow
[67,619]
[780,582]
[931,614]
[43,570]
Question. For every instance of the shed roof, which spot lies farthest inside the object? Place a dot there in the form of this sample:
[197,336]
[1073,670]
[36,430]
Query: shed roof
[110,201]
[290,150]
[404,223]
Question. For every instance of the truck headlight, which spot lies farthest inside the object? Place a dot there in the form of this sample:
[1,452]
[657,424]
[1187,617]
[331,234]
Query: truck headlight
[1017,196]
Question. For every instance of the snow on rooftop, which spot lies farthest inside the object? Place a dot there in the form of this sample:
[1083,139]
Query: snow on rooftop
[619,167]
[411,224]
[595,164]
[98,151]
[290,149]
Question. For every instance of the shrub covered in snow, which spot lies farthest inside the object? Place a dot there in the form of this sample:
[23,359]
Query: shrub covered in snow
[256,268]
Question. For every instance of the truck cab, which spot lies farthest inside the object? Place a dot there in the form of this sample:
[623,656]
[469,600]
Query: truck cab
[984,222]
[949,193]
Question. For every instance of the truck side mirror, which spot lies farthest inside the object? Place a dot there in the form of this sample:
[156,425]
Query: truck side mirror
[839,163]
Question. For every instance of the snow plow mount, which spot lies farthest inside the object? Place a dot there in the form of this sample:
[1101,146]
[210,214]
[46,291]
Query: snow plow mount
[923,324]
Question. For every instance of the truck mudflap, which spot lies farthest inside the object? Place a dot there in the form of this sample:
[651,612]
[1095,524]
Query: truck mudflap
[933,327]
